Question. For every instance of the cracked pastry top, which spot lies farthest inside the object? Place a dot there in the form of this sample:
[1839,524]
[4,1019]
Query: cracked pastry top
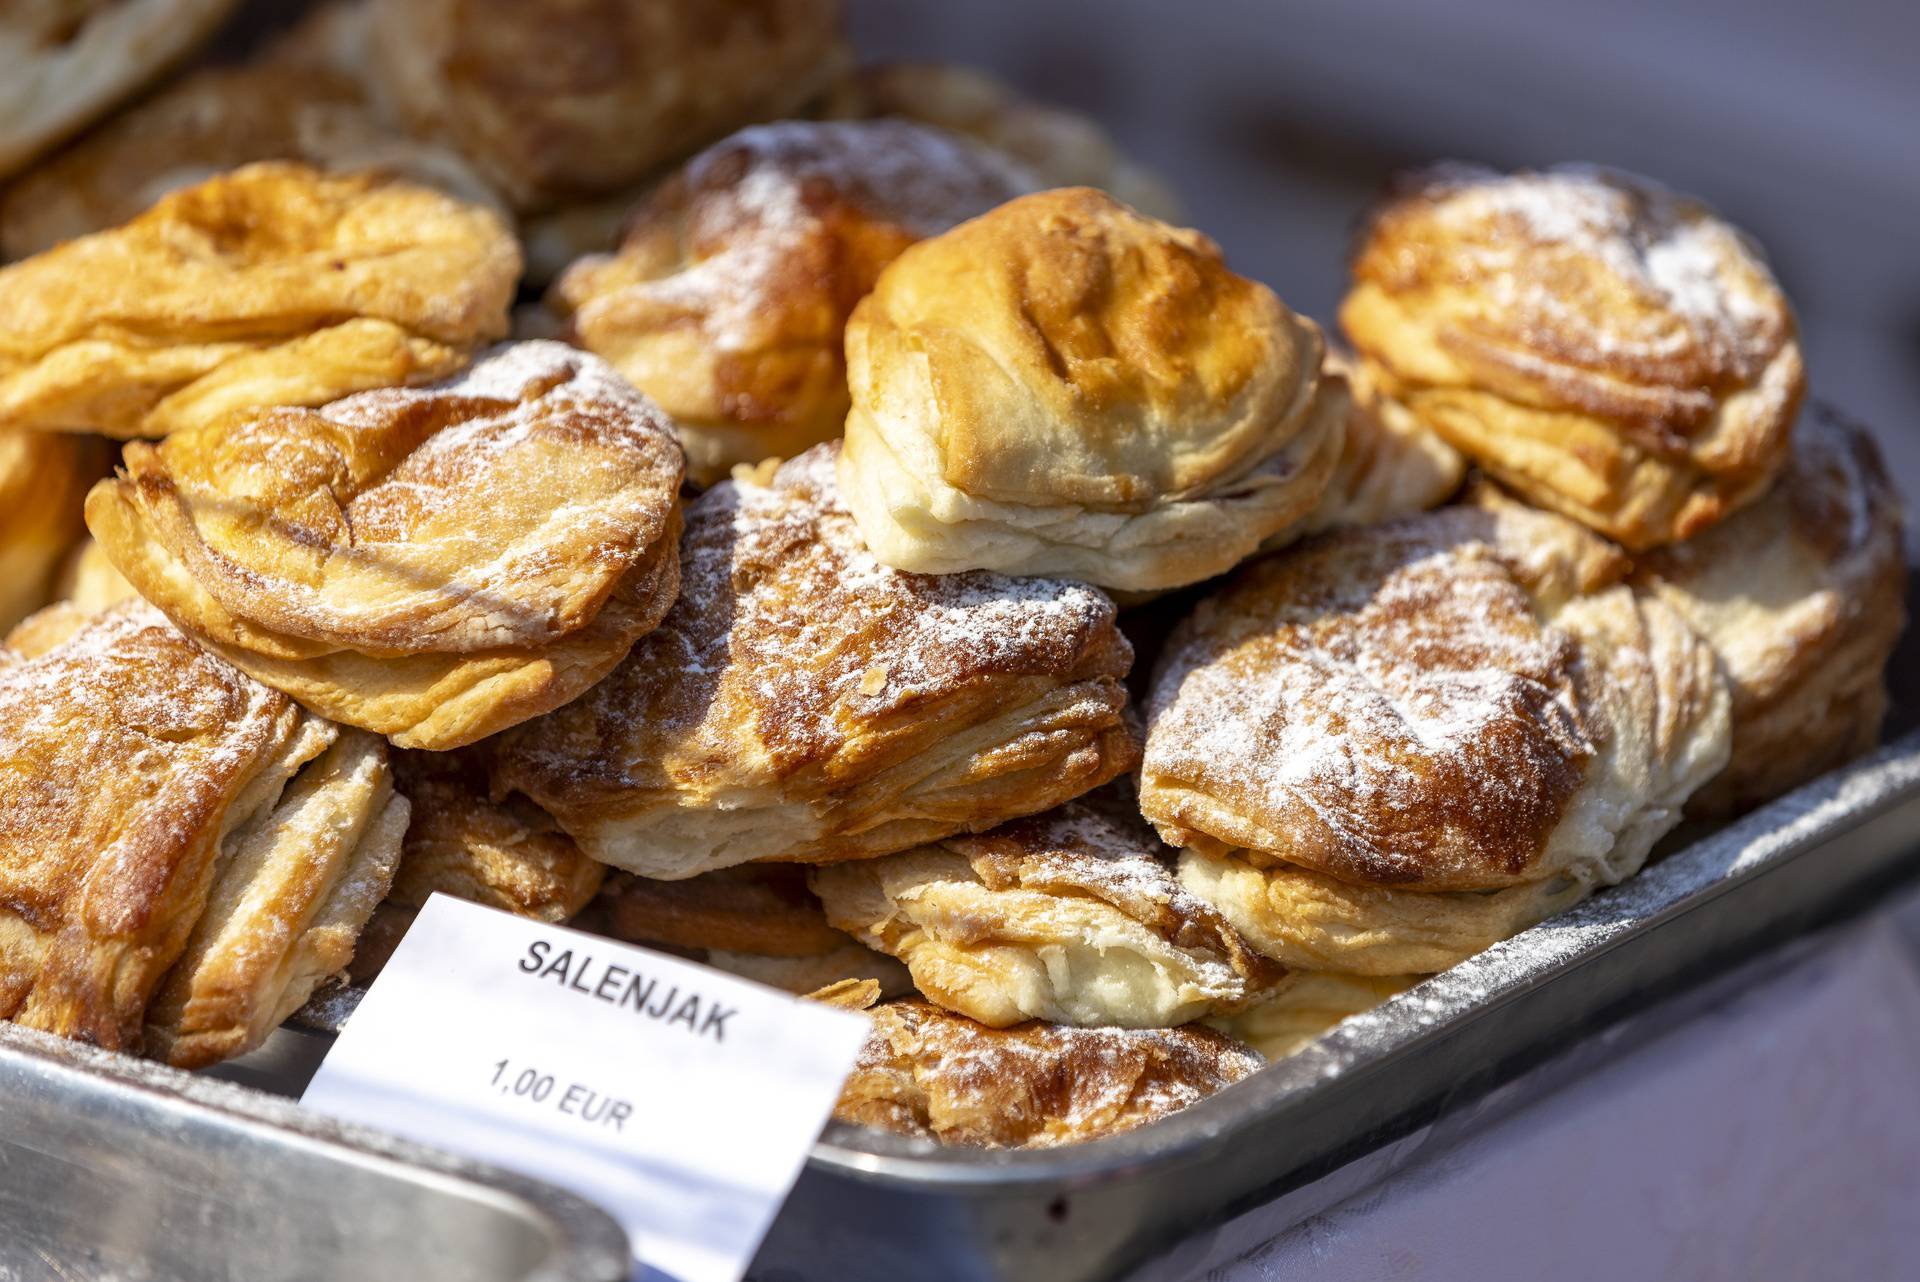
[1803,596]
[275,284]
[1600,345]
[558,102]
[65,63]
[184,853]
[929,1073]
[1392,746]
[728,296]
[1063,386]
[434,564]
[1073,917]
[804,702]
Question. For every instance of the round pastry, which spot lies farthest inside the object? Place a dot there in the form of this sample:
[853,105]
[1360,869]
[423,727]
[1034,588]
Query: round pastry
[557,101]
[1064,149]
[1390,466]
[1305,1005]
[1392,746]
[1063,386]
[803,702]
[1072,917]
[1803,596]
[1600,345]
[185,849]
[272,285]
[759,921]
[65,63]
[435,563]
[728,297]
[43,482]
[204,124]
[927,1072]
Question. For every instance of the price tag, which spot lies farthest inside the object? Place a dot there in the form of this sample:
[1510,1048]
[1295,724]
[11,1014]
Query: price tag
[681,1099]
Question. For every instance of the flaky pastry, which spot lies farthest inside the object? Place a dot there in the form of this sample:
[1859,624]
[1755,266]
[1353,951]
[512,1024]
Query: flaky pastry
[1600,345]
[1072,917]
[727,299]
[1388,748]
[1305,1005]
[181,848]
[1063,386]
[275,284]
[1802,595]
[434,563]
[1390,466]
[757,920]
[930,1073]
[804,702]
[65,63]
[558,101]
[43,481]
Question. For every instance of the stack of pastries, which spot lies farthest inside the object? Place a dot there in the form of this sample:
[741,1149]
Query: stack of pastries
[821,521]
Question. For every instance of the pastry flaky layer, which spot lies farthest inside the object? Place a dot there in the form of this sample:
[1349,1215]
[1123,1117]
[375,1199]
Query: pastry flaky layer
[1390,465]
[928,1072]
[44,477]
[1063,386]
[1073,917]
[184,853]
[1395,745]
[804,702]
[434,564]
[1803,596]
[728,296]
[1600,345]
[273,285]
[559,102]
[65,63]
[1306,1004]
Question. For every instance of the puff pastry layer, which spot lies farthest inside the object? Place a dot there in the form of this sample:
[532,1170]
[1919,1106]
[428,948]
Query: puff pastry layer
[44,479]
[804,702]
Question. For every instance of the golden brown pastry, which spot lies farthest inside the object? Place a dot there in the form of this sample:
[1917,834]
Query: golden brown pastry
[65,63]
[930,1073]
[1305,1005]
[558,99]
[1389,748]
[728,296]
[1600,345]
[759,921]
[87,580]
[213,120]
[272,285]
[1390,466]
[1803,596]
[803,702]
[1072,917]
[433,564]
[1063,386]
[43,482]
[183,849]
[1062,148]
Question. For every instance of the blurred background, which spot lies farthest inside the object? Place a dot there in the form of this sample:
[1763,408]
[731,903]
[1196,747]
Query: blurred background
[1277,123]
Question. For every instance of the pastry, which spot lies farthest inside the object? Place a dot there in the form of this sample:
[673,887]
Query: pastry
[728,296]
[928,1073]
[1072,917]
[206,123]
[1601,346]
[1305,1005]
[64,63]
[43,481]
[272,285]
[561,99]
[757,920]
[186,853]
[434,564]
[1062,148]
[1390,465]
[87,580]
[803,702]
[1063,386]
[1391,747]
[1802,595]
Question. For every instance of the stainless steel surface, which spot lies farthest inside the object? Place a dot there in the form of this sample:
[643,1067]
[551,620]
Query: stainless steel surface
[115,1169]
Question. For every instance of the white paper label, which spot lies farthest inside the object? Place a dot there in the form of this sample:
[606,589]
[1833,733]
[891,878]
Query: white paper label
[681,1099]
